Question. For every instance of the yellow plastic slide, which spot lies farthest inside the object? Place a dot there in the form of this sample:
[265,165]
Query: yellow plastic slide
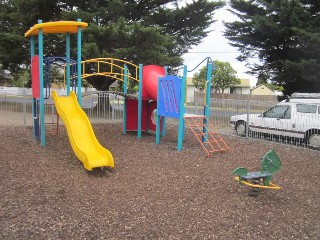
[83,141]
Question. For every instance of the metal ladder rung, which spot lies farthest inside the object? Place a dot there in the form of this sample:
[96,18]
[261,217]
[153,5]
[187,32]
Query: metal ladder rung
[212,138]
[198,134]
[194,126]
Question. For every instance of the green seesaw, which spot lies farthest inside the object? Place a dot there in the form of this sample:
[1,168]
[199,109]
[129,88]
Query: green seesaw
[270,164]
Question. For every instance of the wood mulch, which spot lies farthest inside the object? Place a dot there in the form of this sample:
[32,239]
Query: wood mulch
[154,192]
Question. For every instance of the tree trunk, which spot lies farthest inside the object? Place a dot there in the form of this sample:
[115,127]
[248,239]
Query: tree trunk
[102,83]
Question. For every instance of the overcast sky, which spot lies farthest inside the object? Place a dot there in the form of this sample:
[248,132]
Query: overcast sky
[216,46]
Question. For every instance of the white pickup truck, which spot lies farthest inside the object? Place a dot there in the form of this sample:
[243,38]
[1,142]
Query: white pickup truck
[294,119]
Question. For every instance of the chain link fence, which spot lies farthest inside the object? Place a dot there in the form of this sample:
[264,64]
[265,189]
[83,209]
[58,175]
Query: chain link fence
[101,107]
[16,108]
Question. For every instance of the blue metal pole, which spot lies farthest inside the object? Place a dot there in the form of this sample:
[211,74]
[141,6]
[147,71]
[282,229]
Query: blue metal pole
[207,105]
[79,63]
[42,125]
[68,62]
[182,109]
[140,101]
[125,102]
[208,90]
[158,116]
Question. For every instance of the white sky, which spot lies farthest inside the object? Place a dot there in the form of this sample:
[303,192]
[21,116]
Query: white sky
[216,46]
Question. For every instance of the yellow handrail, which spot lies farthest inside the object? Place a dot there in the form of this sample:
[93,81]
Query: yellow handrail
[116,68]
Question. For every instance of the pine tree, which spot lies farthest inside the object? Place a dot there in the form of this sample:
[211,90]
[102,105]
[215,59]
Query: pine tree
[154,31]
[284,35]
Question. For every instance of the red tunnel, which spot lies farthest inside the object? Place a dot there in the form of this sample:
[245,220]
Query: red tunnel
[150,81]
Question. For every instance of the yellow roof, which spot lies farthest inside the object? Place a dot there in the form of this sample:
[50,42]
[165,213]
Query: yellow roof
[56,27]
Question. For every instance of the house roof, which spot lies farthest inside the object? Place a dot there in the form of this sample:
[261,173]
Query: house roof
[259,86]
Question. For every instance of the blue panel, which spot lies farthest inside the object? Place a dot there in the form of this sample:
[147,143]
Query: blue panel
[169,94]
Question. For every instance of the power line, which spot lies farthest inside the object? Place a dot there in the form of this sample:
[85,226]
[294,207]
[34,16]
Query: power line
[212,52]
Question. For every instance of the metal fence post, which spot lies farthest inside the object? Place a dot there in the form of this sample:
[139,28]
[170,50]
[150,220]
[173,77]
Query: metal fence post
[248,111]
[196,105]
[24,104]
[112,99]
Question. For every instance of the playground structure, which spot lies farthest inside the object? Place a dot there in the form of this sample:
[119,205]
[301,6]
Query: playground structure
[157,92]
[40,80]
[270,164]
[80,133]
[171,103]
[162,95]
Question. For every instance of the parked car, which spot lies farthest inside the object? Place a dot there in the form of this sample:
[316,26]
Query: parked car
[286,119]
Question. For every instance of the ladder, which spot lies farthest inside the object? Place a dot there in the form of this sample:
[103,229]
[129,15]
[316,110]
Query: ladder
[208,137]
[51,119]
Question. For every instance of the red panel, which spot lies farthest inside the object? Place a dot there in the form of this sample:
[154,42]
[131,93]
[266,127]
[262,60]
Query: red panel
[132,115]
[35,77]
[146,120]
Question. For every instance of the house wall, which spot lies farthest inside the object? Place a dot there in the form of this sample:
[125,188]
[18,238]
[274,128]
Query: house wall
[242,88]
[238,90]
[190,89]
[190,93]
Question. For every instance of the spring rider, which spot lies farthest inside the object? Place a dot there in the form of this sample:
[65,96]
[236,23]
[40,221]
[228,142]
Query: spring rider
[270,164]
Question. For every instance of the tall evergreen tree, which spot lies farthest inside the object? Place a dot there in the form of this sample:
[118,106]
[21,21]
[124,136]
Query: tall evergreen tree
[154,31]
[16,16]
[284,35]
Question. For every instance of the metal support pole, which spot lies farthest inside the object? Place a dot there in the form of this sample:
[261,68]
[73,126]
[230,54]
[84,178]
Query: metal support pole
[248,111]
[79,63]
[125,90]
[158,117]
[42,113]
[68,63]
[24,108]
[207,104]
[140,101]
[182,109]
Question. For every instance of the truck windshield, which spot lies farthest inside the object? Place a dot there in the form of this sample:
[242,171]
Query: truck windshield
[278,111]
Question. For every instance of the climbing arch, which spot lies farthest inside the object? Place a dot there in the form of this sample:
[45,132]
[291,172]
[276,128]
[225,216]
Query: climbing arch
[110,67]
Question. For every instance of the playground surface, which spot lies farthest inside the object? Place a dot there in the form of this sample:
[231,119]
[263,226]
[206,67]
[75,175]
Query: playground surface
[154,192]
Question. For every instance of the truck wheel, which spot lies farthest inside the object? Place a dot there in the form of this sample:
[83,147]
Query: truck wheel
[241,128]
[314,140]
